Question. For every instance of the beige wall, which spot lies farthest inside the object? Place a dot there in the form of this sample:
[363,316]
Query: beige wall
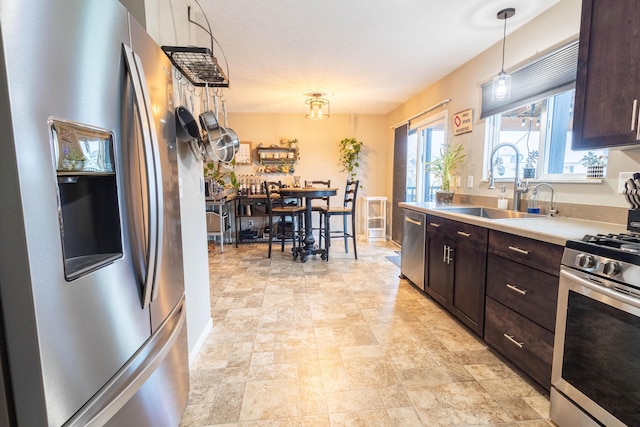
[558,25]
[319,146]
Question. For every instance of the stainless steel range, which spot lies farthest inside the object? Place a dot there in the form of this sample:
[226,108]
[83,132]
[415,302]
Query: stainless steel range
[596,362]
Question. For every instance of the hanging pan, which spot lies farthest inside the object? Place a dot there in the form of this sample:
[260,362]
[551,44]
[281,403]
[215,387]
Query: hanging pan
[216,149]
[187,130]
[186,125]
[229,135]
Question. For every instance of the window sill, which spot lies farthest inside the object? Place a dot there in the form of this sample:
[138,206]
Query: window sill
[552,181]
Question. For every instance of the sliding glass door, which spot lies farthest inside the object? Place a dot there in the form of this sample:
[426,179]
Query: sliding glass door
[426,139]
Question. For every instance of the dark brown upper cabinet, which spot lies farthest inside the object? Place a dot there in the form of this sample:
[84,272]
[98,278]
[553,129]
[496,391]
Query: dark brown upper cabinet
[607,103]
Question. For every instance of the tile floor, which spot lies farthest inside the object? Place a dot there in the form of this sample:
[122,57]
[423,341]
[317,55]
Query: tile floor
[343,343]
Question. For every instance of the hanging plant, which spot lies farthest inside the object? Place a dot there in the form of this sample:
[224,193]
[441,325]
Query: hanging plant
[350,149]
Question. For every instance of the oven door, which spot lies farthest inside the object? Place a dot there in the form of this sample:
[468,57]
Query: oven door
[596,359]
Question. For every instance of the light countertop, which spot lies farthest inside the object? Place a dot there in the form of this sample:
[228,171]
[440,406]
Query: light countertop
[555,230]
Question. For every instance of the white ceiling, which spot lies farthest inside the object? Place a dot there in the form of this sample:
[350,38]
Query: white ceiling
[367,56]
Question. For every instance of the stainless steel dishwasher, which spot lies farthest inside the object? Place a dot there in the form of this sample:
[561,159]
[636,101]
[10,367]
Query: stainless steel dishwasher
[413,247]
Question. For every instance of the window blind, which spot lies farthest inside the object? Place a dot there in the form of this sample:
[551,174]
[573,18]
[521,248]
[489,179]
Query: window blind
[543,77]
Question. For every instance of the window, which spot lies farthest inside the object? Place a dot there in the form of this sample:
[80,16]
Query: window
[538,121]
[425,141]
[541,131]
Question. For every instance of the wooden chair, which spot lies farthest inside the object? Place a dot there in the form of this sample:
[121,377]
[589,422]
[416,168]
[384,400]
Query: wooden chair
[319,204]
[278,210]
[348,209]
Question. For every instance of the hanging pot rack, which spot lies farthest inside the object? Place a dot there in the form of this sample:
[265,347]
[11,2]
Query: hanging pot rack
[198,65]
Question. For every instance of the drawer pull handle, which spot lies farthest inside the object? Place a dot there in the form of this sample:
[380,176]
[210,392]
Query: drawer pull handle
[462,233]
[520,251]
[633,114]
[516,289]
[510,338]
[413,221]
[434,224]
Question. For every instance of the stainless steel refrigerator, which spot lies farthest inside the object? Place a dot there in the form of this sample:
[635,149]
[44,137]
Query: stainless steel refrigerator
[91,274]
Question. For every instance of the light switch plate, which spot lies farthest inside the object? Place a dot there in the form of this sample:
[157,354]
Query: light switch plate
[470,181]
[622,178]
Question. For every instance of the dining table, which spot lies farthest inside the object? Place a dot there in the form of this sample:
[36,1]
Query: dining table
[308,193]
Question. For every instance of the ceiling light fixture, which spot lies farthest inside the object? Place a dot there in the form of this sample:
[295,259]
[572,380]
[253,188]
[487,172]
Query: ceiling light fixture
[318,106]
[501,87]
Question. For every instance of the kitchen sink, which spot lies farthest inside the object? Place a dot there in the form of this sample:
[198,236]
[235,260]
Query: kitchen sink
[489,213]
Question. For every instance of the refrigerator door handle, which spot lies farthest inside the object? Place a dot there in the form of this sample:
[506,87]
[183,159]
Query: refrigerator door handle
[153,172]
[128,380]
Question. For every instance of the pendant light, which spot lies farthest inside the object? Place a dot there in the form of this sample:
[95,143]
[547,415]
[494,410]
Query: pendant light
[318,106]
[501,87]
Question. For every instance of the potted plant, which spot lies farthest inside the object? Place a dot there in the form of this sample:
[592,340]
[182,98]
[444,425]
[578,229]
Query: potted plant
[442,167]
[350,149]
[595,164]
[214,171]
[530,164]
[498,164]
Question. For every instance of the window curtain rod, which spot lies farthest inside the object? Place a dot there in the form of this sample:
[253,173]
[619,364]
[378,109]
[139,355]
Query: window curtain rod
[433,107]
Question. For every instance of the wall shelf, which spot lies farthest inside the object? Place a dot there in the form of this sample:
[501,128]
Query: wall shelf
[277,159]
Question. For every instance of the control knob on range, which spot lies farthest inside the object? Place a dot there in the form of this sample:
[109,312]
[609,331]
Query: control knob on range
[611,268]
[585,261]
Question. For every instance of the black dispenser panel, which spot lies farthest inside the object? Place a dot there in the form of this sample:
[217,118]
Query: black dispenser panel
[90,228]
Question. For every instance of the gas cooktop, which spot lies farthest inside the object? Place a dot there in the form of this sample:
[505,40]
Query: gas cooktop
[615,256]
[610,245]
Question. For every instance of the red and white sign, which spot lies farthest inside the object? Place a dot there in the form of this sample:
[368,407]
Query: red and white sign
[463,122]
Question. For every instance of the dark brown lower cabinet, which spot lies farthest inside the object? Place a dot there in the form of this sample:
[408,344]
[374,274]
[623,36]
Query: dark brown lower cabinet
[528,345]
[522,295]
[456,269]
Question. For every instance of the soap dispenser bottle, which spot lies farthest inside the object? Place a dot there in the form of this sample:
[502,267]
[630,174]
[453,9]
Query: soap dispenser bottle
[533,207]
[503,203]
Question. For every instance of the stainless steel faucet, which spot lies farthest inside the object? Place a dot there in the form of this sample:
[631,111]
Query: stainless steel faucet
[518,190]
[534,191]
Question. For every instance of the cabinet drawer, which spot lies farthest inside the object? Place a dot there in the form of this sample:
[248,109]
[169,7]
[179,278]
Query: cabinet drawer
[533,253]
[532,293]
[460,232]
[526,344]
[470,235]
[438,225]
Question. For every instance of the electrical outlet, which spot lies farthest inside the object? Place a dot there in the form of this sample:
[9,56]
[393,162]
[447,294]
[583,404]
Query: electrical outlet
[250,223]
[470,181]
[622,178]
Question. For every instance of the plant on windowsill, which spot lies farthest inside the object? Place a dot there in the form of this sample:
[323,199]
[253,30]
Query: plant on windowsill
[595,164]
[442,168]
[530,164]
[498,164]
[350,149]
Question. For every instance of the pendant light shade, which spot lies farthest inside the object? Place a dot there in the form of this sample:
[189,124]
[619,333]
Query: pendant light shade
[318,107]
[501,87]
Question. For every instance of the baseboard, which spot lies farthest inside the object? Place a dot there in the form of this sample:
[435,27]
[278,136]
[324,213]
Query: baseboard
[200,342]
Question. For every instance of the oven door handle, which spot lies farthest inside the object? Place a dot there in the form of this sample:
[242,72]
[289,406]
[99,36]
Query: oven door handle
[599,285]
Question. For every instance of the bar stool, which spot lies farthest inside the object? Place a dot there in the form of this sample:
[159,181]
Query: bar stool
[277,209]
[323,202]
[348,209]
